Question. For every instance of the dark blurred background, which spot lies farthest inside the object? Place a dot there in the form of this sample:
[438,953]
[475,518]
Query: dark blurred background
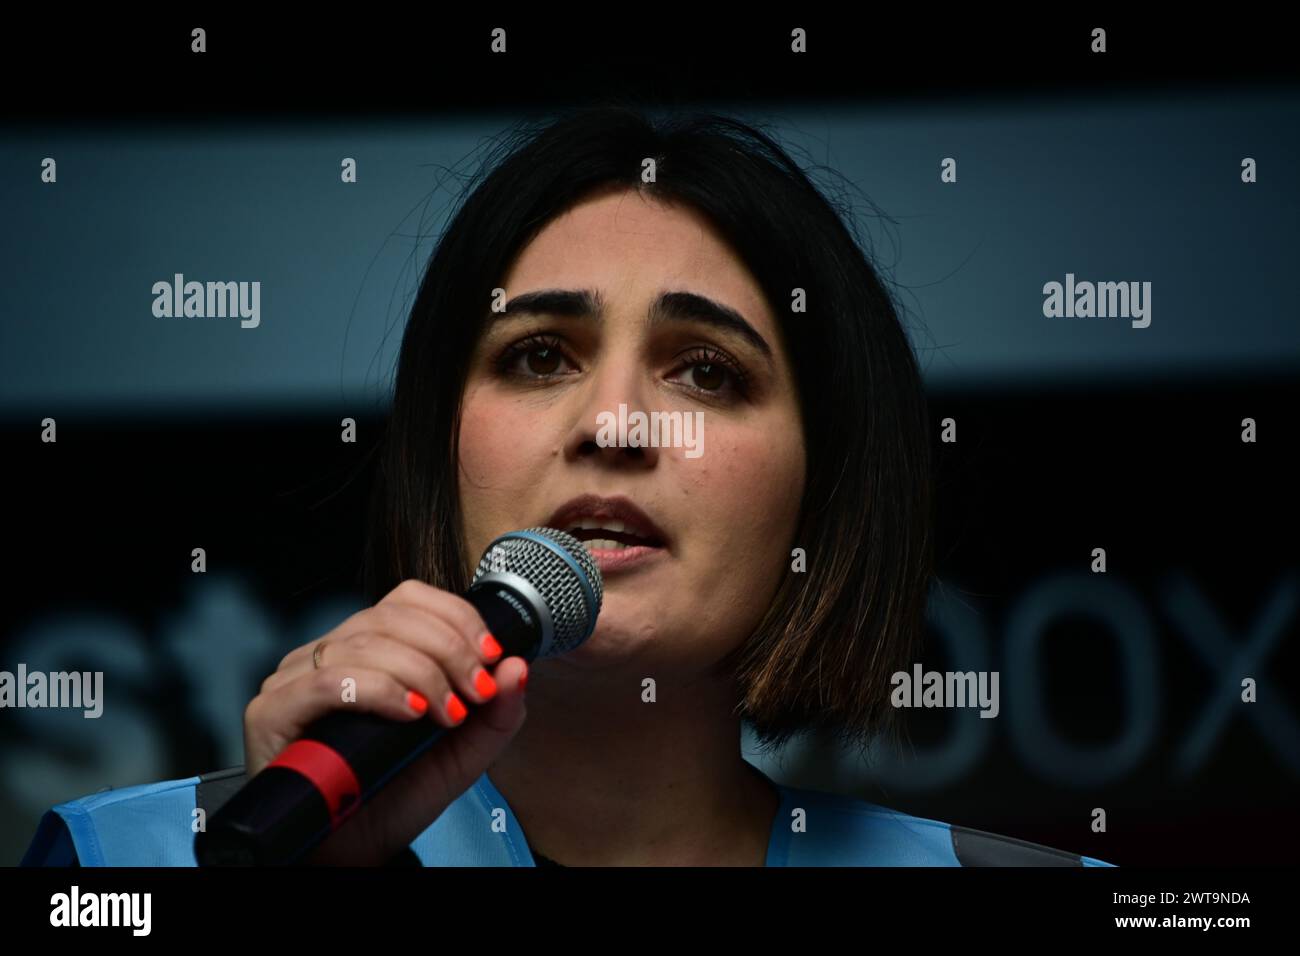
[1119,691]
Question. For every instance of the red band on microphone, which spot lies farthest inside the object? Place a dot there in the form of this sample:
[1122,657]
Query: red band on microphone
[328,772]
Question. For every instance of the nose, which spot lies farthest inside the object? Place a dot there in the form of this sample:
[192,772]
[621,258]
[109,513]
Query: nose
[603,428]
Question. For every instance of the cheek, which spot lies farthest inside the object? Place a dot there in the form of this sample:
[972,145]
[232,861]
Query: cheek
[495,447]
[481,450]
[744,501]
[498,463]
[749,487]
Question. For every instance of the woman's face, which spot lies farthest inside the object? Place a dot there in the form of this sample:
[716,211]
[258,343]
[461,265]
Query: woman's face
[721,487]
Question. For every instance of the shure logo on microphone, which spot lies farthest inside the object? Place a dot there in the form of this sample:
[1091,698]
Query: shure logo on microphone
[102,909]
[205,300]
[655,430]
[515,603]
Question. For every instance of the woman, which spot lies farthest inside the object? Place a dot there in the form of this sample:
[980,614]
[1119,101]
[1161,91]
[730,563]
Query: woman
[775,571]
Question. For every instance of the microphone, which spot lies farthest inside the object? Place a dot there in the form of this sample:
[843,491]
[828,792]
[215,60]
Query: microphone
[538,590]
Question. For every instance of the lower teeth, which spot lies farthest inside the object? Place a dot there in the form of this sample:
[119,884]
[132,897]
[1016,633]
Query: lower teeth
[603,544]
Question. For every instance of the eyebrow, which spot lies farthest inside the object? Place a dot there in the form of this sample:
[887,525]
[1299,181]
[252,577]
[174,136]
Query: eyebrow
[669,307]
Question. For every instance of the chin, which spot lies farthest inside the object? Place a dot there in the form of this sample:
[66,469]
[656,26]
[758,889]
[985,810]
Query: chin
[616,639]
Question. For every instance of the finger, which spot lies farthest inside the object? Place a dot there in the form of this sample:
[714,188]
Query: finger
[440,667]
[392,819]
[279,718]
[460,758]
[303,652]
[457,612]
[434,637]
[411,646]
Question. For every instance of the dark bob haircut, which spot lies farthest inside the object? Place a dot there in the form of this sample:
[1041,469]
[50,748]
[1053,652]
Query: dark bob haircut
[822,656]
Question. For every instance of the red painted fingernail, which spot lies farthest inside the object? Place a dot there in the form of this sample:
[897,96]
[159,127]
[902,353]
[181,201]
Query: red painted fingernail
[490,646]
[416,702]
[484,684]
[523,678]
[455,709]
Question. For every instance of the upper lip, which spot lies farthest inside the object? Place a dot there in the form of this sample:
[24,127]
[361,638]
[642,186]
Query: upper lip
[619,508]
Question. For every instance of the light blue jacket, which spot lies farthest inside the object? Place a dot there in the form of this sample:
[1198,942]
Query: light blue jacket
[153,825]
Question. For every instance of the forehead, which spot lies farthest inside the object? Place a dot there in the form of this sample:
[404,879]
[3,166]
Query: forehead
[631,248]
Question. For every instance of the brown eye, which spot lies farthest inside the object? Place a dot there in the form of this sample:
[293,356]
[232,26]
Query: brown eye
[543,361]
[708,377]
[712,375]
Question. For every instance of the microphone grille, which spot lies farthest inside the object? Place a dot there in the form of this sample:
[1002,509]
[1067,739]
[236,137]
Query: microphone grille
[562,570]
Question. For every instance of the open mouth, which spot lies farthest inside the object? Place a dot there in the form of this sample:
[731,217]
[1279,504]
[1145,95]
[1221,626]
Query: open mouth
[610,535]
[619,535]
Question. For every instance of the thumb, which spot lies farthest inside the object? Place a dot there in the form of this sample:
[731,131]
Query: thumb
[435,779]
[475,744]
[462,755]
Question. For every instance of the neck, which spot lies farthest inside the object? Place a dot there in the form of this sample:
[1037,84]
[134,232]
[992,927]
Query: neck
[599,777]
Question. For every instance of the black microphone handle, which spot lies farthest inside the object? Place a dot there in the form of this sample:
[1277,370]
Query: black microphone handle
[280,815]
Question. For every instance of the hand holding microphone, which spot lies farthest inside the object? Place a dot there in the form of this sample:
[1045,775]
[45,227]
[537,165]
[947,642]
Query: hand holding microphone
[407,656]
[351,772]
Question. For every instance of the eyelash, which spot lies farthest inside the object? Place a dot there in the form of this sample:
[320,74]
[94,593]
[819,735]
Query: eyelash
[699,355]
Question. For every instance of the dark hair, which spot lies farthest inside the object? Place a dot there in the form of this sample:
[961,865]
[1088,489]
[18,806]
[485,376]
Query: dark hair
[822,656]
